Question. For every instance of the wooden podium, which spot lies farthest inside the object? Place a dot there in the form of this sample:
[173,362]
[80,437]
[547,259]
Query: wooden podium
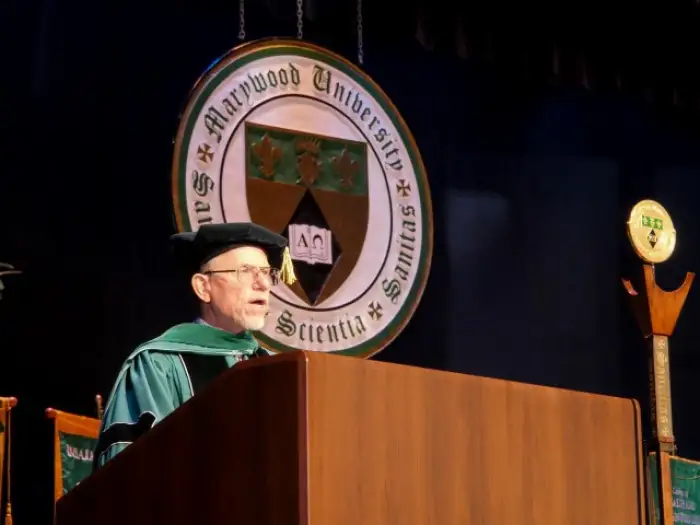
[315,439]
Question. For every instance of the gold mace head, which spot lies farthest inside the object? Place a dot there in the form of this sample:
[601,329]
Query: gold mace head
[651,231]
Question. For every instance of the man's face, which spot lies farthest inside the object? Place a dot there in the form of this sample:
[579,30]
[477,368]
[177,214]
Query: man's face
[236,285]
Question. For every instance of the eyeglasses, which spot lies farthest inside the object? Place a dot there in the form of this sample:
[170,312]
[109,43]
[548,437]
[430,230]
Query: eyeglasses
[247,274]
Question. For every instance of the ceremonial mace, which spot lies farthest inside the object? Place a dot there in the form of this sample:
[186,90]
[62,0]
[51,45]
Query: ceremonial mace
[653,238]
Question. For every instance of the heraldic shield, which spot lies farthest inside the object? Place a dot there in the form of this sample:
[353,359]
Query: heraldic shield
[312,189]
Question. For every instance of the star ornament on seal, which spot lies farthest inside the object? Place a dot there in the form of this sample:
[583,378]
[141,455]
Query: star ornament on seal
[651,231]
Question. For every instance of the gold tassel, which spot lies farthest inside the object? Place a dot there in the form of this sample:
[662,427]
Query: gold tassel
[8,514]
[287,270]
[98,402]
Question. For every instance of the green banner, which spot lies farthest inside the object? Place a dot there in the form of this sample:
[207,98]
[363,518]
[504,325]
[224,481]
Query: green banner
[76,459]
[685,480]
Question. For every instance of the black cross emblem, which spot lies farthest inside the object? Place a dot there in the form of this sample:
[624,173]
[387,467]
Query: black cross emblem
[204,153]
[403,188]
[375,311]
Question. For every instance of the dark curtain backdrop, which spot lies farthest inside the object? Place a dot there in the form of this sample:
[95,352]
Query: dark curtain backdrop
[531,189]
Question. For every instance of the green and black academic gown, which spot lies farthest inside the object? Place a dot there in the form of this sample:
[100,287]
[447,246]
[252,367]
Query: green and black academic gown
[161,374]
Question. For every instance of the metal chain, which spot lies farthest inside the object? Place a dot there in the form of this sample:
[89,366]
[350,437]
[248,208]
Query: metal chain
[360,50]
[300,19]
[241,20]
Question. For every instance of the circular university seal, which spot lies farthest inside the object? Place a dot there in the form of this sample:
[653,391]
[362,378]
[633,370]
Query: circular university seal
[651,232]
[288,135]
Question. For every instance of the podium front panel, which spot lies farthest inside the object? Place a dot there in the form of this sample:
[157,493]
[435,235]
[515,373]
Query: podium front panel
[397,444]
[229,455]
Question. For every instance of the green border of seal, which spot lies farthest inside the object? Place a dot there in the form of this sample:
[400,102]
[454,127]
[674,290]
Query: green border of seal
[247,53]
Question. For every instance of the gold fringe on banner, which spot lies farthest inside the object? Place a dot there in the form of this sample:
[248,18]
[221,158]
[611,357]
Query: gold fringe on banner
[6,406]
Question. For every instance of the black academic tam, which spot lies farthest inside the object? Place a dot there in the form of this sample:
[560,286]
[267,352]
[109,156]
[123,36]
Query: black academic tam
[194,249]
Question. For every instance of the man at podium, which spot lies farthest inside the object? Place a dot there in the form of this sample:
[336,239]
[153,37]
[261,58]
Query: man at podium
[232,268]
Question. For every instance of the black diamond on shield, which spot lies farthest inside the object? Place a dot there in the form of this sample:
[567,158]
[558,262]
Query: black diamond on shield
[313,247]
[652,238]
